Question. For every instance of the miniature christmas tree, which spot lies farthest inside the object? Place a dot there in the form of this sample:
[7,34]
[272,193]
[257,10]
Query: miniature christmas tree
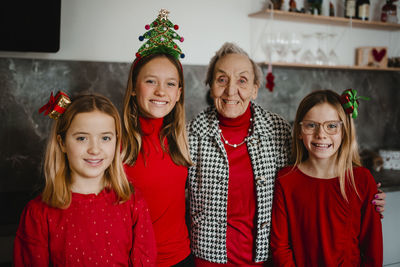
[161,36]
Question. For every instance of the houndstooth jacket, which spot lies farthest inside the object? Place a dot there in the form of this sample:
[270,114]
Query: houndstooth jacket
[269,148]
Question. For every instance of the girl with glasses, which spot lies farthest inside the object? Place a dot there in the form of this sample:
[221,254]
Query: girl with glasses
[322,213]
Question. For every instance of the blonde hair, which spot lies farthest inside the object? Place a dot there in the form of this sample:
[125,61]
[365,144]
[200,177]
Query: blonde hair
[173,129]
[227,49]
[57,190]
[347,154]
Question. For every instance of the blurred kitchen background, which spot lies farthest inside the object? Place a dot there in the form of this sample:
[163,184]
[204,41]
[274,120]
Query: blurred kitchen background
[97,41]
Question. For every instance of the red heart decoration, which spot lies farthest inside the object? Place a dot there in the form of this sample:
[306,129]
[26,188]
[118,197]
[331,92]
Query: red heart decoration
[378,55]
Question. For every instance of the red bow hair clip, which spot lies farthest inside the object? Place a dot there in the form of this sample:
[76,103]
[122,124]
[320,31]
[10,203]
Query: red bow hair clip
[56,105]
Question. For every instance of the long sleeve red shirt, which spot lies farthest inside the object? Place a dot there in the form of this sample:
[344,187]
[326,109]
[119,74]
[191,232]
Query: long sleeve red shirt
[93,231]
[312,224]
[162,183]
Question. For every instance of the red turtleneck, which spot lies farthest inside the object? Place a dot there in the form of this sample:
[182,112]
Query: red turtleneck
[241,194]
[162,183]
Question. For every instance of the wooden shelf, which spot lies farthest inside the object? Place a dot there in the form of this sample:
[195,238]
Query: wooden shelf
[338,67]
[278,14]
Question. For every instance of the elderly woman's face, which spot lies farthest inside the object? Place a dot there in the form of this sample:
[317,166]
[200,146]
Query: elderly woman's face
[233,85]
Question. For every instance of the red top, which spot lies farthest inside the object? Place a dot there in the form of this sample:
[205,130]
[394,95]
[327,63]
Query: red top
[162,183]
[92,231]
[312,225]
[241,194]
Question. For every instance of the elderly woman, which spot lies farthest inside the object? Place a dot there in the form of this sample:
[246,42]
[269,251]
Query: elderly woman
[237,148]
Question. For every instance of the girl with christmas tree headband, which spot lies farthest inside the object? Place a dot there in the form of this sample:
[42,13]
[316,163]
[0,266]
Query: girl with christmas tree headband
[154,144]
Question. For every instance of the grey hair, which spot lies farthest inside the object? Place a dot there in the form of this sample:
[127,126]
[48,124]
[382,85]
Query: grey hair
[226,49]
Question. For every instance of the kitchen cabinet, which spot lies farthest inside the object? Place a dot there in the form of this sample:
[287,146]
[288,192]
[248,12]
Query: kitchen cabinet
[335,21]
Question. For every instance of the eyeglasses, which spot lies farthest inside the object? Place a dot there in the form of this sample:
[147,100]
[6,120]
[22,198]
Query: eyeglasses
[330,127]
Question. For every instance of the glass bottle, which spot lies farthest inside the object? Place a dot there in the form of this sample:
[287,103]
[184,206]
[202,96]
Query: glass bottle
[350,8]
[362,9]
[331,10]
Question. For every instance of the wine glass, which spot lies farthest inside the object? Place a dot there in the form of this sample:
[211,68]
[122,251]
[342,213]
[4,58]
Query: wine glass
[281,45]
[268,45]
[321,57]
[295,44]
[333,58]
[307,57]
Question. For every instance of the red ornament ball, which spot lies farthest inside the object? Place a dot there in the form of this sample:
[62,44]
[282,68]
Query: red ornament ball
[181,39]
[155,23]
[176,27]
[147,27]
[270,81]
[137,55]
[175,46]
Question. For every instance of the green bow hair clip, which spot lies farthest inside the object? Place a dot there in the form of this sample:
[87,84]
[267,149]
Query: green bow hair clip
[349,101]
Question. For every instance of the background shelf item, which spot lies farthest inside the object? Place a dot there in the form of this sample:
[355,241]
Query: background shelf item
[337,67]
[318,19]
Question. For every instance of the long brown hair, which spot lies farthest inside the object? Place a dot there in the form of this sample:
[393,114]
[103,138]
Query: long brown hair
[57,190]
[173,128]
[347,154]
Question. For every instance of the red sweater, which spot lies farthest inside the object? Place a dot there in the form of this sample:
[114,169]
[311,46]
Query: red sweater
[312,225]
[241,195]
[92,231]
[162,183]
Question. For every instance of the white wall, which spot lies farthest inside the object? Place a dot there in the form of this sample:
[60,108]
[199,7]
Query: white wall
[105,30]
[108,30]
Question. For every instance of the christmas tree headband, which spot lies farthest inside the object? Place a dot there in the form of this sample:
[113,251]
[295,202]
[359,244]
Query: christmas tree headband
[349,101]
[56,106]
[161,35]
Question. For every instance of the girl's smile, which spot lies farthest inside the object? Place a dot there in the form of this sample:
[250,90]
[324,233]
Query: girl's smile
[321,146]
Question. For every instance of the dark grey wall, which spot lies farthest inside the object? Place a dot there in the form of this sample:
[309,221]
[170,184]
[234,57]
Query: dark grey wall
[25,85]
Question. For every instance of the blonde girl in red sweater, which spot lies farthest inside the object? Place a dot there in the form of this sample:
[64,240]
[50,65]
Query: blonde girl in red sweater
[88,214]
[322,212]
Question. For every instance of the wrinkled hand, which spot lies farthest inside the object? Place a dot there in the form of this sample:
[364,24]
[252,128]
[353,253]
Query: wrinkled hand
[379,200]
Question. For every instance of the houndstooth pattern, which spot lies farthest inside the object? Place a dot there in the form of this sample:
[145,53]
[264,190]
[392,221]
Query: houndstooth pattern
[269,148]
